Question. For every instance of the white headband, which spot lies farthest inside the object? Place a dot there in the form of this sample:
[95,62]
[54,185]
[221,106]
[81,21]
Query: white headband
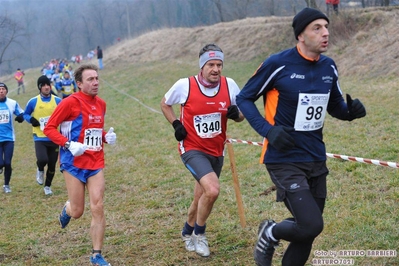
[210,55]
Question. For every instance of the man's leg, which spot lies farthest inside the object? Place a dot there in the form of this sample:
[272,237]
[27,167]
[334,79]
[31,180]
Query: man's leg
[52,155]
[211,187]
[192,211]
[303,229]
[41,160]
[76,195]
[96,188]
[8,147]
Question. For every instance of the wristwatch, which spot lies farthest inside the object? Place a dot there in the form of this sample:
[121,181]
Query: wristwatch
[67,144]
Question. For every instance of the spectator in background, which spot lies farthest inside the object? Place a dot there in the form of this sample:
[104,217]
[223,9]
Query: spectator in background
[332,5]
[8,107]
[19,77]
[37,112]
[100,57]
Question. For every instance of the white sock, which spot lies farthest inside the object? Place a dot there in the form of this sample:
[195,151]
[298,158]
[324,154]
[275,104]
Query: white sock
[270,234]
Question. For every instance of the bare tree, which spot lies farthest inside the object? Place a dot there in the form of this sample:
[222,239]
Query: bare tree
[311,3]
[272,8]
[241,7]
[10,32]
[99,13]
[218,4]
[28,20]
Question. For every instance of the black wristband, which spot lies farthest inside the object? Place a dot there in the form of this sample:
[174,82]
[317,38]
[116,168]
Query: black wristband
[96,251]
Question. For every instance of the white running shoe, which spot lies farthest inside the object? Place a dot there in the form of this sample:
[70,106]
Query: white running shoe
[188,242]
[47,191]
[6,189]
[201,245]
[39,177]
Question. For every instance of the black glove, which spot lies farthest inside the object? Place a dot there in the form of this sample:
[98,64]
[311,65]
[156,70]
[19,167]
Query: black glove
[279,138]
[34,122]
[355,107]
[233,112]
[19,118]
[180,131]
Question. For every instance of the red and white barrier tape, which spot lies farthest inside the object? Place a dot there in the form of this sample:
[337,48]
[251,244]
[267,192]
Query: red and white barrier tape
[331,155]
[245,142]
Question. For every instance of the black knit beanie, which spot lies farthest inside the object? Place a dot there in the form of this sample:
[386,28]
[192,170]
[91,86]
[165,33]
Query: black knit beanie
[304,18]
[4,85]
[42,80]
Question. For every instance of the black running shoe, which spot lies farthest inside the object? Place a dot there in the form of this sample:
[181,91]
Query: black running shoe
[264,248]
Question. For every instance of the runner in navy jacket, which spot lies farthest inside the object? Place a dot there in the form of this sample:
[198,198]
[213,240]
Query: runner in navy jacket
[299,87]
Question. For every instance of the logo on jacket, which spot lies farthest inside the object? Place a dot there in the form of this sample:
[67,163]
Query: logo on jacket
[223,104]
[297,76]
[327,79]
[294,186]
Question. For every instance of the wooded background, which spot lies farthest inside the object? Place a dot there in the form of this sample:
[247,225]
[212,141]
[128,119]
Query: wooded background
[35,31]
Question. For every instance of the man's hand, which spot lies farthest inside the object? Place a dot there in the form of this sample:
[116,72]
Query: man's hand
[34,122]
[279,138]
[233,112]
[355,107]
[77,148]
[180,131]
[110,137]
[19,118]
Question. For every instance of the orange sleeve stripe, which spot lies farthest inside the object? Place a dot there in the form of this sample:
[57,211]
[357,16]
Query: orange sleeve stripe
[270,113]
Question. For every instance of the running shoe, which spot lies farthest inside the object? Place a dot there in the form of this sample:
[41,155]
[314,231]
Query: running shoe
[64,217]
[264,248]
[47,191]
[39,177]
[6,189]
[188,242]
[201,245]
[98,260]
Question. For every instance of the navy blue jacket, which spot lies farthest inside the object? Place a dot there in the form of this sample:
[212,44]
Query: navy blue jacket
[279,80]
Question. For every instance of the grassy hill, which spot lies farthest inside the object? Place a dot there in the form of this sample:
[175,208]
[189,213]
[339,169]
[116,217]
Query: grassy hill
[148,189]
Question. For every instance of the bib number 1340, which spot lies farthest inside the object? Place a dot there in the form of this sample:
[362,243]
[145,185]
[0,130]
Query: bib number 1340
[208,125]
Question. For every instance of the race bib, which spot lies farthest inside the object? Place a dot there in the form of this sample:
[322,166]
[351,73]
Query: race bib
[43,122]
[67,88]
[208,125]
[4,116]
[311,111]
[93,139]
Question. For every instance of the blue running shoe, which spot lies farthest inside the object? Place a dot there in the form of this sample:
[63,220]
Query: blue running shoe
[98,260]
[64,217]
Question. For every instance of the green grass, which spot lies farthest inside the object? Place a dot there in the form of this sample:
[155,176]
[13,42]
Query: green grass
[148,190]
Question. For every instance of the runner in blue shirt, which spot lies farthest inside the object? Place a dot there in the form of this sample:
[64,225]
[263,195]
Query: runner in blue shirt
[8,107]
